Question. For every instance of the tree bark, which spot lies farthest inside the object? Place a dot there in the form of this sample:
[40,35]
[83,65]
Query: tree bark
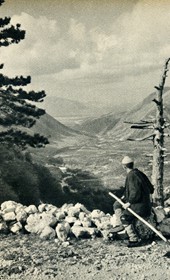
[158,141]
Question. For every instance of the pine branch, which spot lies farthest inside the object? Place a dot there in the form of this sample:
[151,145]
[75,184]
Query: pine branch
[17,81]
[1,2]
[20,94]
[22,139]
[11,35]
[4,21]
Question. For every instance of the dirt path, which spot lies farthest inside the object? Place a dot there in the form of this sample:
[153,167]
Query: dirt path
[27,257]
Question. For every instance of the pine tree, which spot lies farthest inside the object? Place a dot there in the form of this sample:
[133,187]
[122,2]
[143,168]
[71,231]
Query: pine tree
[17,109]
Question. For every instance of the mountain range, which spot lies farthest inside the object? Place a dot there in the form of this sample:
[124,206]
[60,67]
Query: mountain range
[110,125]
[116,124]
[63,107]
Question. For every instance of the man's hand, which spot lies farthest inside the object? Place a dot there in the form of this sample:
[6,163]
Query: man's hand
[126,205]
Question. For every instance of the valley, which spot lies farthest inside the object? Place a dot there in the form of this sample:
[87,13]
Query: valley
[98,144]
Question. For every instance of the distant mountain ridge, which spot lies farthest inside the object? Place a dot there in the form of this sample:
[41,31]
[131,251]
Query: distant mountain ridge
[113,124]
[99,125]
[62,107]
[146,111]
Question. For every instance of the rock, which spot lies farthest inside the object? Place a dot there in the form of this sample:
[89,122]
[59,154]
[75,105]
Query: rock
[66,207]
[62,231]
[73,212]
[9,217]
[105,223]
[82,215]
[83,232]
[42,207]
[167,211]
[82,208]
[9,209]
[37,222]
[164,227]
[48,219]
[51,209]
[159,213]
[19,208]
[113,221]
[3,228]
[96,214]
[21,216]
[86,222]
[48,233]
[77,223]
[8,204]
[60,215]
[167,202]
[70,220]
[31,209]
[16,227]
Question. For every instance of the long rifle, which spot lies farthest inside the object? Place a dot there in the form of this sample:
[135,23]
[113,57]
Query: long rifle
[139,217]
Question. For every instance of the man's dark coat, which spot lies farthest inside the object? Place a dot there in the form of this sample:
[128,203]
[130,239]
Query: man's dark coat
[137,191]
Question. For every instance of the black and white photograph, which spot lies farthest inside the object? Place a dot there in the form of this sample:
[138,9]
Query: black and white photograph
[84,139]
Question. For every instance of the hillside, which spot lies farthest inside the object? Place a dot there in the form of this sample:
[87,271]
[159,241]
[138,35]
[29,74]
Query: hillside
[99,125]
[146,110]
[50,127]
[113,123]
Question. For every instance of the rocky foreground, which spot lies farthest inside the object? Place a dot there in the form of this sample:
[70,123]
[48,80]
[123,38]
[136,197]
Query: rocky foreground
[70,242]
[27,257]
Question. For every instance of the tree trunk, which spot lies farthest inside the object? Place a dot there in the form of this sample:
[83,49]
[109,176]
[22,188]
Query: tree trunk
[158,141]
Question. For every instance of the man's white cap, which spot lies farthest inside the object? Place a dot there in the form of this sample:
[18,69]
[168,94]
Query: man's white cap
[126,160]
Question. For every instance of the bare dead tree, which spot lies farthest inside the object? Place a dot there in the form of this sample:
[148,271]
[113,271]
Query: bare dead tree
[157,136]
[158,141]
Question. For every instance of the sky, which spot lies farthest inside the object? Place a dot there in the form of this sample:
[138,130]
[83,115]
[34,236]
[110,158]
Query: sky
[107,52]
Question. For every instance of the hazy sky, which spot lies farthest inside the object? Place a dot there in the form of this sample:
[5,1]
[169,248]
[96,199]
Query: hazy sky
[110,52]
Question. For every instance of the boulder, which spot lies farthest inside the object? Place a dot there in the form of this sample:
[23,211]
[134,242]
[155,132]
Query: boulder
[78,223]
[96,214]
[105,223]
[42,207]
[48,233]
[167,211]
[82,208]
[66,207]
[20,208]
[70,220]
[62,231]
[8,204]
[86,222]
[83,232]
[167,202]
[21,216]
[159,213]
[113,220]
[31,209]
[9,217]
[37,222]
[73,212]
[60,215]
[9,209]
[3,228]
[51,209]
[82,215]
[48,219]
[16,227]
[164,227]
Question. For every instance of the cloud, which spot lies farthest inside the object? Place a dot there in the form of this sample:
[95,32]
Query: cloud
[133,44]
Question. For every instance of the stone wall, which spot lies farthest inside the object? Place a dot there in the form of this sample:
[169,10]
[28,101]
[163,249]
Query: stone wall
[69,221]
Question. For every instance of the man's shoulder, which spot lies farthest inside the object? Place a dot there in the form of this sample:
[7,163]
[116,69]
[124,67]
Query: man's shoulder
[133,173]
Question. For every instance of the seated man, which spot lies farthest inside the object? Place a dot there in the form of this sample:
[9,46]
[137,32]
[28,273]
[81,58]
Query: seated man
[136,196]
